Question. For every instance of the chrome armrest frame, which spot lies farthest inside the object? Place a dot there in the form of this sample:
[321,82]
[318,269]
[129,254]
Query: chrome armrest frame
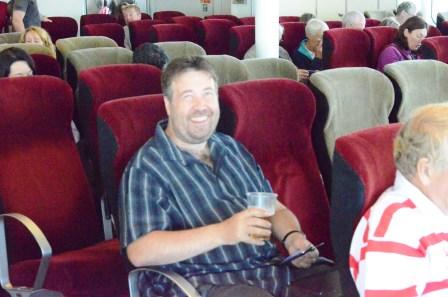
[41,241]
[177,279]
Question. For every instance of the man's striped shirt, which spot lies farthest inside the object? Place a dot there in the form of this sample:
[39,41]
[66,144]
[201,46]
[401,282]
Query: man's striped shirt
[164,188]
[400,247]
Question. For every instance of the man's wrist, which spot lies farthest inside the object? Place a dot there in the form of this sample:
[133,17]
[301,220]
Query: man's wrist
[291,235]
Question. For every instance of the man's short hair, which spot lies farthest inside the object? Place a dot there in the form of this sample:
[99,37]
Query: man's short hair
[151,54]
[424,135]
[315,27]
[390,22]
[305,17]
[408,7]
[181,65]
[131,6]
[352,18]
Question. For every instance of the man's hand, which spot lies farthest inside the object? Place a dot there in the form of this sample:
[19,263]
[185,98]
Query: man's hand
[45,19]
[298,242]
[246,226]
[302,75]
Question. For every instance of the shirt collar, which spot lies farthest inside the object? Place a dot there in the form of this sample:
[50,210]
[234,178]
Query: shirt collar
[169,151]
[305,51]
[421,201]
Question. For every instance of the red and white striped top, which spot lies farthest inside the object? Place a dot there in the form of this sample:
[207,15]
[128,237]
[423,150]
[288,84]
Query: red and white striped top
[400,247]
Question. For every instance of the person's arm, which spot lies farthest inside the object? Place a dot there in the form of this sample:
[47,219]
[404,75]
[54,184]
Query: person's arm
[285,221]
[17,20]
[165,247]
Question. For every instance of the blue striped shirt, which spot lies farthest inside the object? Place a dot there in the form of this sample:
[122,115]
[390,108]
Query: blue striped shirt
[165,188]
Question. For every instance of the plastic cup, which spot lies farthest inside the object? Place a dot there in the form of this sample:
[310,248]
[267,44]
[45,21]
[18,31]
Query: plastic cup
[263,200]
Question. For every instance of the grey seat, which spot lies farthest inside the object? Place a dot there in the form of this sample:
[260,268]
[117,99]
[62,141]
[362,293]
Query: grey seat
[419,82]
[270,68]
[30,48]
[229,69]
[348,99]
[12,37]
[175,49]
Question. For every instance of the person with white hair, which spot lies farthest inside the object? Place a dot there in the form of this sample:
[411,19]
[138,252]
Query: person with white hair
[405,10]
[400,245]
[309,53]
[354,19]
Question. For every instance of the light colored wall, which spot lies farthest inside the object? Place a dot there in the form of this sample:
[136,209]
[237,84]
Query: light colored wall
[71,8]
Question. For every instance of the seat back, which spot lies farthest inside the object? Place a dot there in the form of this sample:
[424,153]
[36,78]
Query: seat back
[248,20]
[174,49]
[89,19]
[433,31]
[236,20]
[293,34]
[61,27]
[348,99]
[92,57]
[42,175]
[380,37]
[443,27]
[378,14]
[435,48]
[124,125]
[67,45]
[334,24]
[281,144]
[441,17]
[12,37]
[216,36]
[419,83]
[288,18]
[167,15]
[30,48]
[4,16]
[105,83]
[112,30]
[46,65]
[241,39]
[192,22]
[171,32]
[139,31]
[361,172]
[372,23]
[345,47]
[228,69]
[270,68]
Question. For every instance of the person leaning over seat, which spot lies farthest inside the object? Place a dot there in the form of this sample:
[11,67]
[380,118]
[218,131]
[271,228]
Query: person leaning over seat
[25,13]
[400,247]
[183,200]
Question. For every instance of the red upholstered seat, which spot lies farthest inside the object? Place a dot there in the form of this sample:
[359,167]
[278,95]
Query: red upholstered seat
[236,20]
[248,20]
[89,19]
[124,126]
[42,177]
[435,48]
[281,144]
[139,31]
[241,39]
[171,32]
[334,24]
[3,16]
[46,65]
[293,34]
[216,36]
[285,19]
[112,30]
[105,83]
[61,27]
[380,37]
[192,22]
[361,172]
[345,47]
[166,15]
[372,23]
[433,31]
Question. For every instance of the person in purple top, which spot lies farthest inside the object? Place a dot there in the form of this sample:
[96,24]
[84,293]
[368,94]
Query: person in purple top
[408,40]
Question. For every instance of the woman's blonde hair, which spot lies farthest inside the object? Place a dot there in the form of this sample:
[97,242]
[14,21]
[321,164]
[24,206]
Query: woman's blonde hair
[44,36]
[424,135]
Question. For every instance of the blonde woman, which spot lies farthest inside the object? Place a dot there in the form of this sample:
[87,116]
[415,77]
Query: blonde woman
[37,35]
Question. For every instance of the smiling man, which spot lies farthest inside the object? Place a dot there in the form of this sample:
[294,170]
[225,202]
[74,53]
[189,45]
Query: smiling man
[183,200]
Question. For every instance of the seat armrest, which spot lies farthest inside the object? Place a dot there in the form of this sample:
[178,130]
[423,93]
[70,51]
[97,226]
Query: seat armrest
[44,262]
[177,279]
